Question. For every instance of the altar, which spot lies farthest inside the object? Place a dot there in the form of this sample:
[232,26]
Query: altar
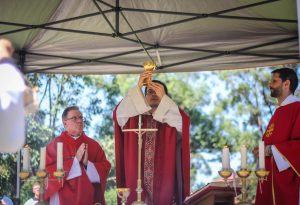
[214,193]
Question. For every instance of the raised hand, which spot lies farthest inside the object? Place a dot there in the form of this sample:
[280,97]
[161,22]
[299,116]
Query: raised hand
[158,88]
[143,77]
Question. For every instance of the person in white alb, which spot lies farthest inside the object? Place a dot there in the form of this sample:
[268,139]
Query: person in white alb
[12,113]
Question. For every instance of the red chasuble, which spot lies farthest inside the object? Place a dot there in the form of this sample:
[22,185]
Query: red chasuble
[79,190]
[283,131]
[165,160]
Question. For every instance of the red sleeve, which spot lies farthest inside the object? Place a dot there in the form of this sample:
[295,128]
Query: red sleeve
[291,149]
[103,167]
[119,153]
[185,153]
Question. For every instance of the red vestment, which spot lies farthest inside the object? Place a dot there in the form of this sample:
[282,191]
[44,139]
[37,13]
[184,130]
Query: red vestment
[283,132]
[165,160]
[79,190]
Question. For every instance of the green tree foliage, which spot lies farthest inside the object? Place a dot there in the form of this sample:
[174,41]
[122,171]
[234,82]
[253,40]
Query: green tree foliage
[8,175]
[242,109]
[225,107]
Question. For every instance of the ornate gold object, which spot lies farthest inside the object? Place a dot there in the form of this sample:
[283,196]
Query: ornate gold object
[139,203]
[24,175]
[123,194]
[59,174]
[41,174]
[149,66]
[270,130]
[140,132]
[225,173]
[243,173]
[262,173]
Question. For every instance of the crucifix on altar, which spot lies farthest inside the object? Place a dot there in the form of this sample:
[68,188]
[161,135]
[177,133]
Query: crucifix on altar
[139,132]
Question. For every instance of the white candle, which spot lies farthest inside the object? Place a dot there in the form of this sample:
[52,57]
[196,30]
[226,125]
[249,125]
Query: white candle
[243,157]
[225,158]
[140,121]
[59,156]
[261,152]
[26,157]
[42,158]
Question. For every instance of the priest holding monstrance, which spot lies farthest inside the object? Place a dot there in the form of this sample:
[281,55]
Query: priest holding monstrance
[165,155]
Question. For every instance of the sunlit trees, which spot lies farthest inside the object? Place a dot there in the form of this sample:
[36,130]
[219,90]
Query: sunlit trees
[225,107]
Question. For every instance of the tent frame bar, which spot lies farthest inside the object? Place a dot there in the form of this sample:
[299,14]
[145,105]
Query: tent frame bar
[124,36]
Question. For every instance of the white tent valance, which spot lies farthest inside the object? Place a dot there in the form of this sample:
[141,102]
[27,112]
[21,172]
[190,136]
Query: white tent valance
[112,36]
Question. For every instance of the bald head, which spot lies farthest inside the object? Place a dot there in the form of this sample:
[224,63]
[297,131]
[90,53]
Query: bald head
[6,48]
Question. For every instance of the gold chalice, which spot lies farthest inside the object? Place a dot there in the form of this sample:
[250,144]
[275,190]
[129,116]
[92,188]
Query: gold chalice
[123,194]
[149,66]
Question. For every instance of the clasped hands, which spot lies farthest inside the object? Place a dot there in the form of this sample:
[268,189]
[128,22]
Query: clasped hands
[82,154]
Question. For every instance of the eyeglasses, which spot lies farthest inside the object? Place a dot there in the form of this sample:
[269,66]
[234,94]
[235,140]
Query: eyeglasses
[150,92]
[75,119]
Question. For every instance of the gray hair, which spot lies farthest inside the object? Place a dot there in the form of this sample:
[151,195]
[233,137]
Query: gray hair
[67,110]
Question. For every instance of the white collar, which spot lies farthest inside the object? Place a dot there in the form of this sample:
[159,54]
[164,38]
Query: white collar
[290,99]
[75,137]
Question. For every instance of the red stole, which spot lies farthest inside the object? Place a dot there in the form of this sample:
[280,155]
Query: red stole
[283,131]
[163,171]
[78,190]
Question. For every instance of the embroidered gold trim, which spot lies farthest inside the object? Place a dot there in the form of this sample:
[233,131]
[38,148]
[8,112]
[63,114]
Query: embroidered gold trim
[270,130]
[273,189]
[288,162]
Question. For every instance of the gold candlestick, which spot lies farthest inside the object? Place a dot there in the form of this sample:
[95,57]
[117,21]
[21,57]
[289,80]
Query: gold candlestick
[244,174]
[123,194]
[261,173]
[24,175]
[225,174]
[42,174]
[59,174]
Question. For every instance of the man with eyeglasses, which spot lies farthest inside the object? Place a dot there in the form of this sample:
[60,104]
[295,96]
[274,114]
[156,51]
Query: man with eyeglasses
[165,153]
[84,163]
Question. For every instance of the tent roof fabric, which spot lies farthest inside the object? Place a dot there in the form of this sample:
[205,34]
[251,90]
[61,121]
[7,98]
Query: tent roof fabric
[112,36]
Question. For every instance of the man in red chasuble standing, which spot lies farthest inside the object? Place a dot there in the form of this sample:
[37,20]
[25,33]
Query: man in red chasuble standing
[282,144]
[84,162]
[165,153]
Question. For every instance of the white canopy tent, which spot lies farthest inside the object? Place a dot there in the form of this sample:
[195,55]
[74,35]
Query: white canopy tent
[112,36]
